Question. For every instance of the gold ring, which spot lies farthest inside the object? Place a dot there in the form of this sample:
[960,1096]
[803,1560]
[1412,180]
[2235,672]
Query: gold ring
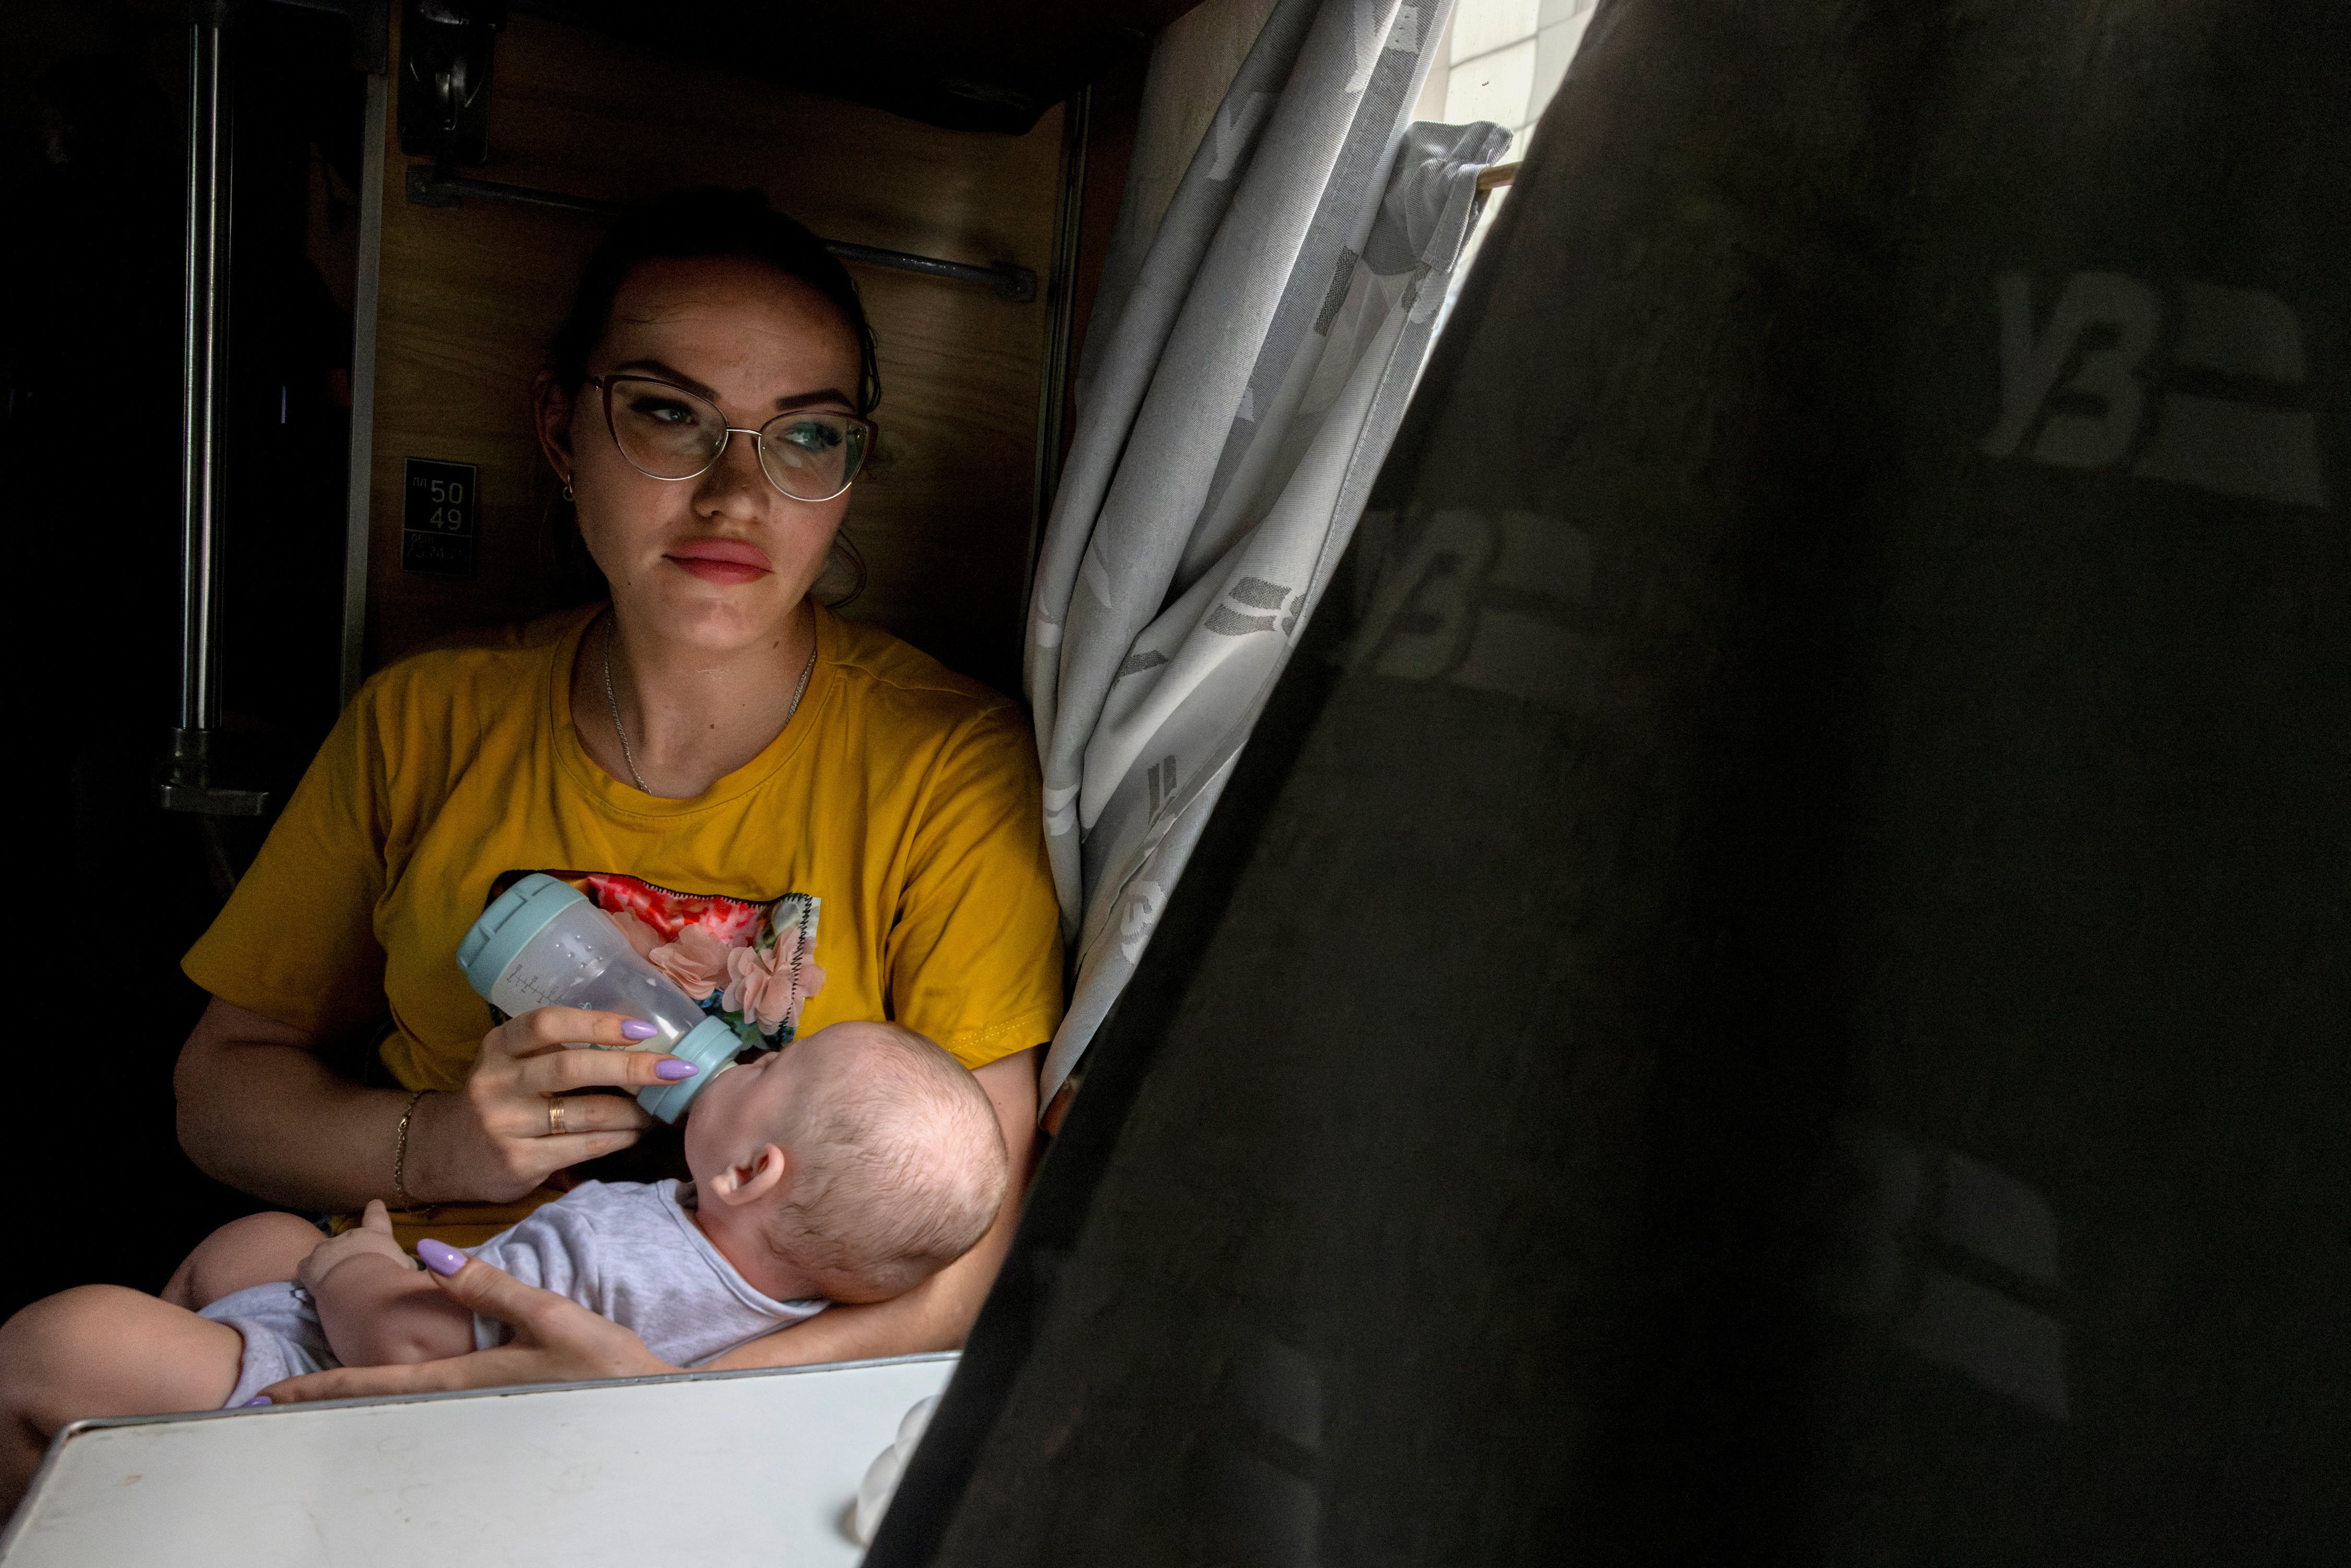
[554,1117]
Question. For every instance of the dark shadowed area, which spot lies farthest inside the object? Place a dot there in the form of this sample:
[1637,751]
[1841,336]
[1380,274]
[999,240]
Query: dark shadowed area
[1772,986]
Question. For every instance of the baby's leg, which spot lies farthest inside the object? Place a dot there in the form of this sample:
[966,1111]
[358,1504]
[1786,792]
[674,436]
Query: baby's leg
[254,1251]
[102,1350]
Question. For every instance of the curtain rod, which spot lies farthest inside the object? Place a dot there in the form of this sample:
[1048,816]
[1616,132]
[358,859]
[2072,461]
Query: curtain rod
[1496,175]
[427,187]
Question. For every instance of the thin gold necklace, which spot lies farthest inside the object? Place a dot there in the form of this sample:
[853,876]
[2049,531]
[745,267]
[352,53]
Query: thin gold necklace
[613,701]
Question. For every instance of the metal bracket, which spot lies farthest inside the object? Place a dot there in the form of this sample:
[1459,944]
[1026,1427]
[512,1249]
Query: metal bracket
[212,800]
[447,49]
[186,784]
[429,186]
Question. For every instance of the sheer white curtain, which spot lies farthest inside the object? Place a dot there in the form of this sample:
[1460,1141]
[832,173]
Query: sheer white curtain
[1251,369]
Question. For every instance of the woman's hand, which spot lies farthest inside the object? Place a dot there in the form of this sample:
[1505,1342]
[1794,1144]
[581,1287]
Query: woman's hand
[556,1340]
[497,1138]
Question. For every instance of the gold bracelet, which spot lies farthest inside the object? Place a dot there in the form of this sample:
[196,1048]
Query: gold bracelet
[400,1153]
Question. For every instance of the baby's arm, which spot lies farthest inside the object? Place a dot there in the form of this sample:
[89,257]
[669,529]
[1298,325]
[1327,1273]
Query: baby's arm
[378,1308]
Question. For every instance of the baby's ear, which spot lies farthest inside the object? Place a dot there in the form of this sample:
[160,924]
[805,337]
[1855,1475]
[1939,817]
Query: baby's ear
[766,1172]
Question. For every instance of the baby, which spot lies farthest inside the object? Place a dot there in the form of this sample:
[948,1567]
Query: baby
[847,1167]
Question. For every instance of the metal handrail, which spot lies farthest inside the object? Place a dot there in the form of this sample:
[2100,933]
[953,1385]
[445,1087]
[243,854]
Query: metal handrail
[430,187]
[186,784]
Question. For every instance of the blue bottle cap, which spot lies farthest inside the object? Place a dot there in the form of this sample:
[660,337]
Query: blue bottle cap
[711,1045]
[506,926]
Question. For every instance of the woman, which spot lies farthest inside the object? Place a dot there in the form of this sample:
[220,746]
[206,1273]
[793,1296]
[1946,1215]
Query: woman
[799,816]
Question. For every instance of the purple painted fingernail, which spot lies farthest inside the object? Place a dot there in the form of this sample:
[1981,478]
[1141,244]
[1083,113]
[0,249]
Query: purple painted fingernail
[439,1256]
[637,1029]
[258,1399]
[672,1070]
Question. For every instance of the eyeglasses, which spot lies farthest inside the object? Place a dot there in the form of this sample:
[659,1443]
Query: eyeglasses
[668,432]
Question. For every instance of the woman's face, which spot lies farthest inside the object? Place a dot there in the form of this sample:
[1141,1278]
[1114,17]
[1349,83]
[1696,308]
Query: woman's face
[720,561]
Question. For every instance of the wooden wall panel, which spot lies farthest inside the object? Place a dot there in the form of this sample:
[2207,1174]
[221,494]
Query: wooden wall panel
[470,295]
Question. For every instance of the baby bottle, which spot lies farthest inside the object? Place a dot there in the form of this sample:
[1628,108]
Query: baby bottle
[541,942]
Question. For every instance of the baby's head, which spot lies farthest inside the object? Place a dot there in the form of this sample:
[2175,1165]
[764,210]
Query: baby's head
[863,1158]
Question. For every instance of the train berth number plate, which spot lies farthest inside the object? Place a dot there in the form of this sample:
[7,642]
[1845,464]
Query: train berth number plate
[439,518]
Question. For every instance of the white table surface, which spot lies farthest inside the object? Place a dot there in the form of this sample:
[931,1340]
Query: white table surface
[711,1469]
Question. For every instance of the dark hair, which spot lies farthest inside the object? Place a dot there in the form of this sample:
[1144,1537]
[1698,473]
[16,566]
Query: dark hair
[689,226]
[686,225]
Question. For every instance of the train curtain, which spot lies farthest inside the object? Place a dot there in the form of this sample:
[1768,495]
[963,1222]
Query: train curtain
[1246,387]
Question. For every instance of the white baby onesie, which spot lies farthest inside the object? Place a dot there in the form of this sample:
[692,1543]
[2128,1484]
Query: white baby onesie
[626,1250]
[632,1252]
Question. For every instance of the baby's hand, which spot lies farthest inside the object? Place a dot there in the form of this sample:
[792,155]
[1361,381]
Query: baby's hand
[371,1234]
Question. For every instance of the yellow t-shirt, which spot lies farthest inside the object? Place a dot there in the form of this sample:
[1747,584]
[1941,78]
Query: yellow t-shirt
[897,815]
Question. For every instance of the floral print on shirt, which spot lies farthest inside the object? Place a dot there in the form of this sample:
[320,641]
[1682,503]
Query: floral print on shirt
[749,961]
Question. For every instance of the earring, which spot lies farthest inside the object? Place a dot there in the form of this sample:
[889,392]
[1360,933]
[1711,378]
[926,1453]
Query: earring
[567,490]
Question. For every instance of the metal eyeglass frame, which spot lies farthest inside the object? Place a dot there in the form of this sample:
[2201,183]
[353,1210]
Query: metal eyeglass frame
[604,385]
